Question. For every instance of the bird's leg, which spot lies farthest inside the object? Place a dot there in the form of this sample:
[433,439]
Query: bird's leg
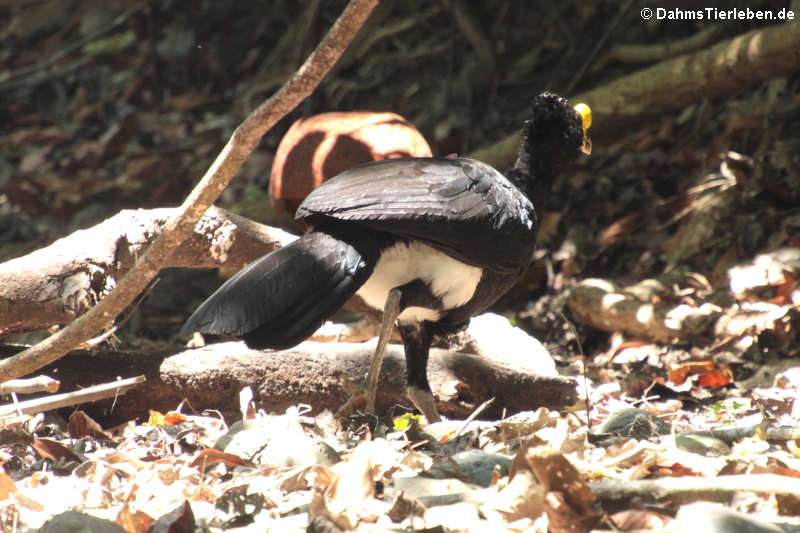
[417,339]
[390,312]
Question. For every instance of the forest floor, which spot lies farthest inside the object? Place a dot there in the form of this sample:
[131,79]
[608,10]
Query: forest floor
[691,217]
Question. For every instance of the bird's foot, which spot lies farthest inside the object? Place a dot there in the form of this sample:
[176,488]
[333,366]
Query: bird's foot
[423,400]
[357,400]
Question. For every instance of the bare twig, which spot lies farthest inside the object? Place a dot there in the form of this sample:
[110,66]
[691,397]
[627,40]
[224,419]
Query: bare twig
[472,30]
[37,73]
[481,408]
[601,42]
[244,139]
[586,398]
[42,76]
[89,394]
[116,327]
[644,53]
[391,30]
[28,386]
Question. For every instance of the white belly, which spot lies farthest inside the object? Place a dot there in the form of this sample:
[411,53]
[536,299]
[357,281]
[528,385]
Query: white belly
[449,279]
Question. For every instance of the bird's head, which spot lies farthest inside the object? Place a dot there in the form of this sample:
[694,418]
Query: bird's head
[554,136]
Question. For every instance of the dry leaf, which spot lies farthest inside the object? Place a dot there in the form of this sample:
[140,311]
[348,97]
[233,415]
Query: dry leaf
[169,419]
[50,449]
[345,493]
[710,373]
[557,474]
[521,498]
[7,486]
[179,520]
[82,425]
[211,456]
[132,520]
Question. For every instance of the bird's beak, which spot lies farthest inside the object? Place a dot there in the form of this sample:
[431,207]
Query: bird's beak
[586,121]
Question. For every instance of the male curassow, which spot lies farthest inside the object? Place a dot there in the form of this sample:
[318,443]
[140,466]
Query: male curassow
[430,242]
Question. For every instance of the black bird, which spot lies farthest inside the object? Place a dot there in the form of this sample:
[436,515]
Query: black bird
[429,242]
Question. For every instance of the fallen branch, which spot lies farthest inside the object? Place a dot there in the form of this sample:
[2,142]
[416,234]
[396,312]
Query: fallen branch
[29,386]
[318,374]
[244,139]
[722,69]
[691,489]
[90,394]
[648,53]
[55,284]
[600,304]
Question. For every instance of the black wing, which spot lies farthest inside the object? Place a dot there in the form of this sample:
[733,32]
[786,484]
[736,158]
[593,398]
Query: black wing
[460,206]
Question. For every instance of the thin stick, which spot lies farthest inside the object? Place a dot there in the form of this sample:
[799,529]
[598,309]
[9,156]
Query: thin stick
[588,400]
[37,72]
[116,327]
[90,394]
[589,59]
[481,408]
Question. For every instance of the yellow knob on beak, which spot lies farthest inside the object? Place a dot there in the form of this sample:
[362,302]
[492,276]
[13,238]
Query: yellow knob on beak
[586,121]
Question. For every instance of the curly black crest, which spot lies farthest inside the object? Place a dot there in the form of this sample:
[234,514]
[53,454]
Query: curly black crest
[551,138]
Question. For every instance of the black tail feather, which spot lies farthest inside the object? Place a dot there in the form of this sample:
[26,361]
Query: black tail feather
[282,298]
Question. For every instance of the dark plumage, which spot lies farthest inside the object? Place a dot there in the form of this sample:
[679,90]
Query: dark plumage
[429,242]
